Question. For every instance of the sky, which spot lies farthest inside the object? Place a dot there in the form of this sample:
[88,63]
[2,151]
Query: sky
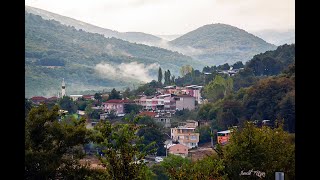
[170,17]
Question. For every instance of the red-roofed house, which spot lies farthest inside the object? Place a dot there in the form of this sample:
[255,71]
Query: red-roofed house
[88,97]
[115,104]
[178,149]
[53,98]
[38,99]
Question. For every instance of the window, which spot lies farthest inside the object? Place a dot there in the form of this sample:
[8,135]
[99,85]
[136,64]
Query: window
[193,137]
[177,149]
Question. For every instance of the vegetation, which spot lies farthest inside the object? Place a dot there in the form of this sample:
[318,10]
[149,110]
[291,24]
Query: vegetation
[54,51]
[123,150]
[52,147]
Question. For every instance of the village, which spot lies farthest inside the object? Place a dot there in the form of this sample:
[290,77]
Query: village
[182,138]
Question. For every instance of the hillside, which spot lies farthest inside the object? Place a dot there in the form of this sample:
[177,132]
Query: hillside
[88,61]
[217,44]
[136,37]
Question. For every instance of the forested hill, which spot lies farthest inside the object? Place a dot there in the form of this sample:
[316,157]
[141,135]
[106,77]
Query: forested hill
[222,43]
[272,62]
[54,51]
[137,37]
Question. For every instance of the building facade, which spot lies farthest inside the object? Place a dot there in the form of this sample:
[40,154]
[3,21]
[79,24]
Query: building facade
[186,134]
[185,102]
[116,105]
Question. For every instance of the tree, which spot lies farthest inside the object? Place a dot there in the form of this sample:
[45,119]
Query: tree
[135,108]
[175,166]
[121,147]
[27,106]
[264,149]
[167,77]
[238,65]
[114,94]
[160,75]
[126,94]
[66,103]
[52,147]
[218,88]
[151,133]
[98,97]
[185,69]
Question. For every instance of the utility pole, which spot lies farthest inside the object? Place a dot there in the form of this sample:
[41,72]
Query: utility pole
[211,137]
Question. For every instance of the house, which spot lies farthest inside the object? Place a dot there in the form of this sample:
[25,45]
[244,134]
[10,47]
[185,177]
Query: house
[103,116]
[195,91]
[203,123]
[116,105]
[38,99]
[186,134]
[160,103]
[158,117]
[88,97]
[163,118]
[223,136]
[52,99]
[178,149]
[75,97]
[81,113]
[185,102]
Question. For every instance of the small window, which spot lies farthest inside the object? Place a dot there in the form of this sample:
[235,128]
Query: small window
[177,149]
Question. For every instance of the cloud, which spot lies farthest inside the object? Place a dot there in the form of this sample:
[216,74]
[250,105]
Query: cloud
[132,70]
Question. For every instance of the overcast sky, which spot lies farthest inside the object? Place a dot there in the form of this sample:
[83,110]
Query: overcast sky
[175,16]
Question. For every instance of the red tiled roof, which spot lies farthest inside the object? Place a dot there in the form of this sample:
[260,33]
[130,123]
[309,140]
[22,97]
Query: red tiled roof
[38,98]
[52,98]
[147,113]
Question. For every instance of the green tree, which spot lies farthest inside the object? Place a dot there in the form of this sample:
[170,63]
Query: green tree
[98,97]
[176,166]
[218,88]
[185,69]
[151,133]
[135,108]
[114,94]
[264,149]
[27,106]
[66,103]
[126,94]
[52,147]
[160,75]
[121,147]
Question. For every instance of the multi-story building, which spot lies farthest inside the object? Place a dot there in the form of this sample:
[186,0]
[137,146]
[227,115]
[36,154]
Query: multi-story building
[186,134]
[185,102]
[160,103]
[116,105]
[195,91]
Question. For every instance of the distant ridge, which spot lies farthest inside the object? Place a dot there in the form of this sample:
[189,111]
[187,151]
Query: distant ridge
[222,43]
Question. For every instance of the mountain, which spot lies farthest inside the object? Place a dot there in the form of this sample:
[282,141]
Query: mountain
[135,37]
[277,37]
[216,44]
[88,60]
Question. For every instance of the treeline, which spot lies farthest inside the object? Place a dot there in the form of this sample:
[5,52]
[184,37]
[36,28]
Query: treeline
[55,149]
[271,98]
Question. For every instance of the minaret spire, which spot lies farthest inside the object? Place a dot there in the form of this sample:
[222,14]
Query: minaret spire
[63,88]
